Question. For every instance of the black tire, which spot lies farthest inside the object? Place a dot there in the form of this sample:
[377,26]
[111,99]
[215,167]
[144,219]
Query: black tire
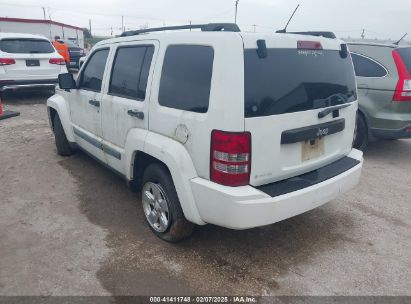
[178,227]
[62,144]
[361,135]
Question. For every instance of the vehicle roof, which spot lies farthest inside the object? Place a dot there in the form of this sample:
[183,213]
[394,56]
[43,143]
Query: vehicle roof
[249,38]
[21,35]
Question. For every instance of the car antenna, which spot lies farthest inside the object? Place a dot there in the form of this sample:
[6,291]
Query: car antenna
[398,42]
[289,20]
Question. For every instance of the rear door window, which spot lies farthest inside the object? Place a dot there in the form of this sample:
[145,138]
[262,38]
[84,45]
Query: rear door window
[291,80]
[26,46]
[186,78]
[365,67]
[92,76]
[130,72]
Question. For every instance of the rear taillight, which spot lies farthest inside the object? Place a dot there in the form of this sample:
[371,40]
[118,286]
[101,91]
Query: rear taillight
[7,61]
[58,61]
[230,159]
[403,89]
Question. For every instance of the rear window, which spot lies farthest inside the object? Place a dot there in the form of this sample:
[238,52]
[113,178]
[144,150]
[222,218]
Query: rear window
[71,43]
[365,67]
[291,80]
[406,57]
[26,46]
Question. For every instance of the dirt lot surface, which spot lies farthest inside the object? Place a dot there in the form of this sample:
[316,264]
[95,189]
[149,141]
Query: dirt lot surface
[68,226]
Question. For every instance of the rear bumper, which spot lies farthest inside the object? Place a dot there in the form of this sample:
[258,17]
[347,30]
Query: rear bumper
[392,133]
[248,207]
[6,85]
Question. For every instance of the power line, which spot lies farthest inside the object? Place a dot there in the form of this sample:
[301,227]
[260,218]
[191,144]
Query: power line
[221,14]
[141,17]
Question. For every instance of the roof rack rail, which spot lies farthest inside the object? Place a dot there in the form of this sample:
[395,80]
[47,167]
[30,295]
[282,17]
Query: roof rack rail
[210,27]
[330,35]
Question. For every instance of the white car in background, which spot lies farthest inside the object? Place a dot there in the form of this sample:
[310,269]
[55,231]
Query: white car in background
[28,61]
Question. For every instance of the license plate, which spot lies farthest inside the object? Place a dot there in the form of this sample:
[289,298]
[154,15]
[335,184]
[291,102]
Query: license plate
[312,149]
[73,63]
[32,63]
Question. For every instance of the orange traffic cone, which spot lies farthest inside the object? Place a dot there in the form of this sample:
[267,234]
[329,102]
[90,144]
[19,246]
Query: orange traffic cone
[5,113]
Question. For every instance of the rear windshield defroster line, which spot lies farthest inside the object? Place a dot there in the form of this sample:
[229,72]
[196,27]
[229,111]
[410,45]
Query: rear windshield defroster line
[291,80]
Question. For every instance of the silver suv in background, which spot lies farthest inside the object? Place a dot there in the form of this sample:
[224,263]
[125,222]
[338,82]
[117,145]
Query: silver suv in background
[384,91]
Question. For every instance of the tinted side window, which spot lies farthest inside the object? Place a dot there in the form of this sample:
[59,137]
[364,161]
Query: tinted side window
[365,67]
[92,76]
[186,78]
[130,72]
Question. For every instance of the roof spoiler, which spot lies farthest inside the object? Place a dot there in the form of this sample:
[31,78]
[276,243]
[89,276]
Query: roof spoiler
[329,35]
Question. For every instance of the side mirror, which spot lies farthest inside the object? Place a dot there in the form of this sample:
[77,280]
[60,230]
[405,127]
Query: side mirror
[67,82]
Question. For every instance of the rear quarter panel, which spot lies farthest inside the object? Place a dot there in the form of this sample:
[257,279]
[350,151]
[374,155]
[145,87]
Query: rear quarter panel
[226,105]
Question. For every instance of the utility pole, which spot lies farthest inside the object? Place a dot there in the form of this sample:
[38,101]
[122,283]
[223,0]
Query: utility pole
[89,26]
[363,34]
[236,11]
[122,23]
[44,13]
[254,25]
[190,25]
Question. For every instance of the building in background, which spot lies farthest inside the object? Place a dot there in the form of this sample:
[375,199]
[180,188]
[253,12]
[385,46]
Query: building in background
[47,28]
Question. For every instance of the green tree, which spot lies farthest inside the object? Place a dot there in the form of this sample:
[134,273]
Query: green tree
[87,33]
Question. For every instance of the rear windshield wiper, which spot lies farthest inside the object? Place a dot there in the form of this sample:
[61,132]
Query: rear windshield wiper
[328,111]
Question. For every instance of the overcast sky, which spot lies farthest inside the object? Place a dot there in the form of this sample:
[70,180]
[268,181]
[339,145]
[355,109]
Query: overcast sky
[381,19]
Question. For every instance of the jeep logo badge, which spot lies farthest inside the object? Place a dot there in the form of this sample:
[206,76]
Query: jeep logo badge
[322,132]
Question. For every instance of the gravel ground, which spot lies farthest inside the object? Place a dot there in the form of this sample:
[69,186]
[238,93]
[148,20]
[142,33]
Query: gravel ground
[68,226]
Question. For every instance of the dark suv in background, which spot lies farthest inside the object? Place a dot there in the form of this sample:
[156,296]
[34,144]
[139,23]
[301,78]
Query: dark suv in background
[384,86]
[75,52]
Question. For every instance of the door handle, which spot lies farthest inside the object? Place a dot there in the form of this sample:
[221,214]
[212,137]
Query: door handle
[94,103]
[137,114]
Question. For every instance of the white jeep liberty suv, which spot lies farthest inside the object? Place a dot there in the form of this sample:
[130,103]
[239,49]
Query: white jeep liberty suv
[216,126]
